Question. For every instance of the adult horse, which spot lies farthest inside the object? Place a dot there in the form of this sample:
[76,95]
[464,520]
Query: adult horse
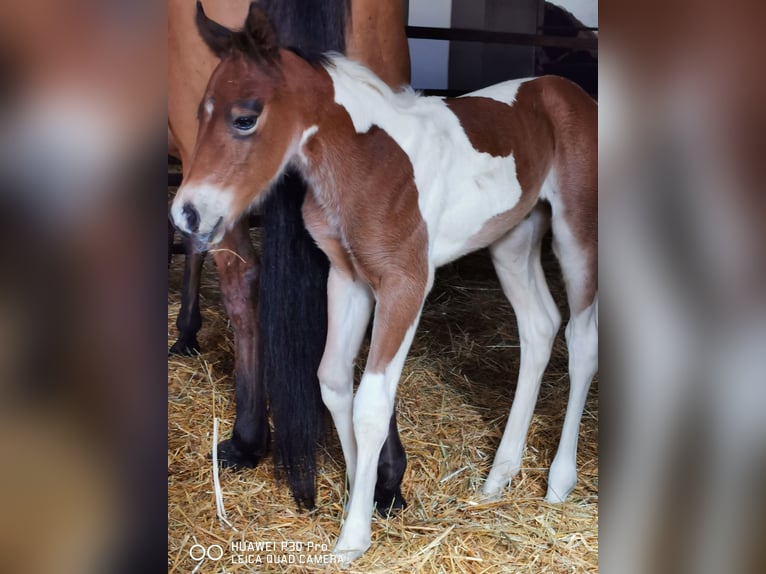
[283,355]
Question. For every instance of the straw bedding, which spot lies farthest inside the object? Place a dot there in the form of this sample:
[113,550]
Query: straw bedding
[454,397]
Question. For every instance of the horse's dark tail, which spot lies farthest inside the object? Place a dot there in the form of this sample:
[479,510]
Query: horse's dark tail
[293,328]
[293,297]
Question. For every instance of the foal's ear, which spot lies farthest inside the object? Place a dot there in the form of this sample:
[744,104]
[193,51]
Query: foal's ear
[259,28]
[218,38]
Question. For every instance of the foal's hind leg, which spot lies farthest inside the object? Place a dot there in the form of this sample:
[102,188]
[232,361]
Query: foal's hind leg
[582,342]
[517,261]
[578,266]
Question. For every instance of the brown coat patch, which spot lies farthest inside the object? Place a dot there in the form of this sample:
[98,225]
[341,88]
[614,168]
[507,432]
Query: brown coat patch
[575,117]
[527,131]
[551,124]
[370,204]
[527,134]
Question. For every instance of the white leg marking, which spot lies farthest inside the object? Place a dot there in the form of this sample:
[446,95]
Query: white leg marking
[582,342]
[373,406]
[349,304]
[517,261]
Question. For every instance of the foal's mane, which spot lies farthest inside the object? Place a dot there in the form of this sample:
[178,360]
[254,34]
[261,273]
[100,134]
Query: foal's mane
[314,58]
[366,81]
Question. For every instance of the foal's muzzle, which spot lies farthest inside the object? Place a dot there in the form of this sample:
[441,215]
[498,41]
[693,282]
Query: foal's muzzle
[187,221]
[190,219]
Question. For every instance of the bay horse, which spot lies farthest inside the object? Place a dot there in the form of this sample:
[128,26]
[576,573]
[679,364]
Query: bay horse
[400,185]
[279,346]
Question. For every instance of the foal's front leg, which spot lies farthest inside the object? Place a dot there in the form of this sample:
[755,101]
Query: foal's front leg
[399,302]
[349,304]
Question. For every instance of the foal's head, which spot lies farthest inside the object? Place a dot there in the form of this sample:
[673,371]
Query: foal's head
[253,118]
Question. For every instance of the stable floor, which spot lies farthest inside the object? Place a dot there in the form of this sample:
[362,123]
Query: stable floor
[454,397]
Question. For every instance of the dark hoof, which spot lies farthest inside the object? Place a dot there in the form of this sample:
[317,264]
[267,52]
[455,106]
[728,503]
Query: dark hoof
[186,347]
[231,456]
[389,503]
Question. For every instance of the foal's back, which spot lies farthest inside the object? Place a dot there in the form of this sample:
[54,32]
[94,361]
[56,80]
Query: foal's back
[480,161]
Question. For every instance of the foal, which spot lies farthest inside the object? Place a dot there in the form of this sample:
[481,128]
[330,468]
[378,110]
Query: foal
[401,184]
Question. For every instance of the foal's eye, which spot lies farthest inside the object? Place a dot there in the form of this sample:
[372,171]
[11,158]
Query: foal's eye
[244,123]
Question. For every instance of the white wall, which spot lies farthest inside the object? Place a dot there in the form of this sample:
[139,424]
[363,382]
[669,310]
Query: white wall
[586,11]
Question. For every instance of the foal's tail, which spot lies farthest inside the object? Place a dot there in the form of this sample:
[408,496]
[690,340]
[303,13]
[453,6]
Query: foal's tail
[293,329]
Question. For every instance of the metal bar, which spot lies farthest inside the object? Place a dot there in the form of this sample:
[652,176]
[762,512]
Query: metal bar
[491,37]
[442,93]
[569,28]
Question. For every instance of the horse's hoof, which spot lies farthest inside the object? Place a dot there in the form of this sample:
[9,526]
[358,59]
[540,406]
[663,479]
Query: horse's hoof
[187,347]
[231,456]
[390,503]
[345,557]
[489,494]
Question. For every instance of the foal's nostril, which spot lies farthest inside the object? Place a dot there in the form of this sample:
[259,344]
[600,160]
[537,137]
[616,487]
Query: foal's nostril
[192,217]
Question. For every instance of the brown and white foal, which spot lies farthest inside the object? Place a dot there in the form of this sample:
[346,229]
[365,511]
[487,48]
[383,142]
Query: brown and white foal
[401,184]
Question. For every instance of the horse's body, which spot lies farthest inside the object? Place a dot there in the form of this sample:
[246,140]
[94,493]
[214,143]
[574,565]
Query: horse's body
[400,185]
[291,296]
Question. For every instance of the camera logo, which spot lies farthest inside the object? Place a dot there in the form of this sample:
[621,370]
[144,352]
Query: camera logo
[213,552]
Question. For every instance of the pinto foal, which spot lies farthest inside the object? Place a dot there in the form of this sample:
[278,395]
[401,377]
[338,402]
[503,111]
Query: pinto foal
[401,184]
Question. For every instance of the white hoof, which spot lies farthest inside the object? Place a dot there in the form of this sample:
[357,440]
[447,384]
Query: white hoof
[490,493]
[499,477]
[554,497]
[346,554]
[561,480]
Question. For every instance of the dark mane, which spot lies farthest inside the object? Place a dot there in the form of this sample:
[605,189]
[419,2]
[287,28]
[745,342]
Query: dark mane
[316,59]
[305,27]
[252,49]
[309,25]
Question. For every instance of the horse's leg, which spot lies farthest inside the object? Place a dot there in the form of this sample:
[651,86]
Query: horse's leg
[237,266]
[349,307]
[579,269]
[391,466]
[399,302]
[171,235]
[189,319]
[516,257]
[349,304]
[582,343]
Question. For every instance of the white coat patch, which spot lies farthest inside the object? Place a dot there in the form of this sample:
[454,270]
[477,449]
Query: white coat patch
[212,203]
[459,188]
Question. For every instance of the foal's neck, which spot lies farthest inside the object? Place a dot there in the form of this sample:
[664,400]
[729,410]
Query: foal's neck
[364,185]
[347,153]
